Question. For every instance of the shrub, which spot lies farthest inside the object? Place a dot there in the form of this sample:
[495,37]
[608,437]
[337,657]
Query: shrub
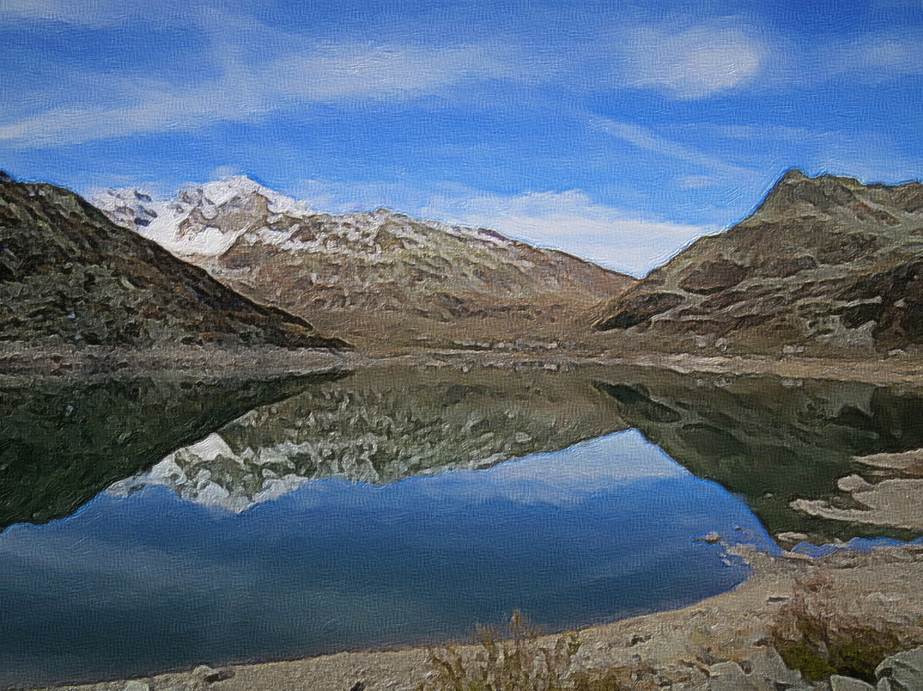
[819,639]
[518,663]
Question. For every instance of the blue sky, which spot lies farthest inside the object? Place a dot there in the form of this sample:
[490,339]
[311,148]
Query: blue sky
[615,130]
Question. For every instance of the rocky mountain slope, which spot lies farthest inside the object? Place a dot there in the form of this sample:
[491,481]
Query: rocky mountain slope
[68,275]
[825,265]
[369,276]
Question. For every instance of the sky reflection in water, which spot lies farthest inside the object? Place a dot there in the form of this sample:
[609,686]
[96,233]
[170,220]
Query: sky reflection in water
[126,585]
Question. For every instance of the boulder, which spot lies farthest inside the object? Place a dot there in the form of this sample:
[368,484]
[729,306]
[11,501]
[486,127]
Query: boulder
[901,672]
[839,683]
[767,668]
[212,676]
[728,676]
[136,685]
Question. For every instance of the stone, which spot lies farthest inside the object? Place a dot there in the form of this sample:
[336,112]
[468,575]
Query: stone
[728,676]
[768,668]
[791,537]
[901,672]
[212,676]
[136,685]
[839,683]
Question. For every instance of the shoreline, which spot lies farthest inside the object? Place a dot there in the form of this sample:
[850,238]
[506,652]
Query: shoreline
[214,363]
[886,371]
[682,646]
[102,363]
[731,626]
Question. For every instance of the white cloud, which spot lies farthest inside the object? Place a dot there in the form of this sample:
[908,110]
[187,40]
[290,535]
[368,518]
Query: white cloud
[337,72]
[878,57]
[566,220]
[225,171]
[695,182]
[572,222]
[90,13]
[691,63]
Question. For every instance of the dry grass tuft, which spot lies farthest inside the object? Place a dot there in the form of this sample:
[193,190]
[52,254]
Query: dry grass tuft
[516,662]
[816,636]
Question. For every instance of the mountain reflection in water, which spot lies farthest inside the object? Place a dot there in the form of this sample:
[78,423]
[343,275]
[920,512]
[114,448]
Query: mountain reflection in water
[246,520]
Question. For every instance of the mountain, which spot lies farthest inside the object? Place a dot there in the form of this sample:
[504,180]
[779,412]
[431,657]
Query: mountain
[68,275]
[376,276]
[825,266]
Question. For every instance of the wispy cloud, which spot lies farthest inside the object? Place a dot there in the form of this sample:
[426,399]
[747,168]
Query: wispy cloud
[691,63]
[88,13]
[695,182]
[648,140]
[56,10]
[245,92]
[877,57]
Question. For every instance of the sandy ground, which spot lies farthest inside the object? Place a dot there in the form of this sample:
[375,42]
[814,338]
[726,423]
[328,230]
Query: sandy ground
[881,586]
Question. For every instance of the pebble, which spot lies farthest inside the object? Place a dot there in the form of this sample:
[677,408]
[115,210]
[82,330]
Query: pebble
[840,683]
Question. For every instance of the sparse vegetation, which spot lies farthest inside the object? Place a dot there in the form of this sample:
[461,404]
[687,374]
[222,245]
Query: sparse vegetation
[817,637]
[518,663]
[518,660]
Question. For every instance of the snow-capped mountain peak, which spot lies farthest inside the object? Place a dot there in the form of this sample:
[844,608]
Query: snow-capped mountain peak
[202,219]
[373,267]
[237,190]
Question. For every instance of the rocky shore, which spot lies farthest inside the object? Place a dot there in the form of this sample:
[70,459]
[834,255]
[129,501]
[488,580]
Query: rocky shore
[728,642]
[103,362]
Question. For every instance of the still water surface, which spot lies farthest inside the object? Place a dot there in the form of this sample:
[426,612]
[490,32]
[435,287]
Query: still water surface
[154,525]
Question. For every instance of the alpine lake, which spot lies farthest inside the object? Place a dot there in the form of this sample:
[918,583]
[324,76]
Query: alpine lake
[150,524]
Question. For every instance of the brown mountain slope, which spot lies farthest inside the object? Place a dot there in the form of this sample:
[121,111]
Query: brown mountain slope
[376,277]
[824,266]
[70,276]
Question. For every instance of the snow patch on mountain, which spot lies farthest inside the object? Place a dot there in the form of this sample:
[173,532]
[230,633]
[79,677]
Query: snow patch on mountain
[190,472]
[194,222]
[206,220]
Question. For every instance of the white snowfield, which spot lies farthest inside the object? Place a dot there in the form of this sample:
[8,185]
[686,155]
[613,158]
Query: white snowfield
[206,220]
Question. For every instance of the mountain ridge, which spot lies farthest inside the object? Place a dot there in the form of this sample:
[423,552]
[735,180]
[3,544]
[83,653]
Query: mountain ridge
[378,276]
[68,275]
[823,265]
